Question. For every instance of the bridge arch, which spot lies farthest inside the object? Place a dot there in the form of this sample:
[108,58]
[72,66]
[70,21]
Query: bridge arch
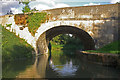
[44,38]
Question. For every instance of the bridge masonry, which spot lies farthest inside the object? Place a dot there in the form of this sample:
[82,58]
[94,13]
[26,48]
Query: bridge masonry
[101,22]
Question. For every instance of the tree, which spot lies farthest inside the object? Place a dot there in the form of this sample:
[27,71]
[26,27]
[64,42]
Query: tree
[118,2]
[26,8]
[34,9]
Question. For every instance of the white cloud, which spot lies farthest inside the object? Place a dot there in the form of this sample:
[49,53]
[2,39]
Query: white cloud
[115,1]
[82,0]
[52,2]
[46,4]
[60,5]
[41,7]
[91,4]
[16,11]
[10,5]
[1,14]
[38,4]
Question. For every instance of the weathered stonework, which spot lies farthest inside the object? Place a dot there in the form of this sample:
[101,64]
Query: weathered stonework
[106,59]
[25,34]
[100,23]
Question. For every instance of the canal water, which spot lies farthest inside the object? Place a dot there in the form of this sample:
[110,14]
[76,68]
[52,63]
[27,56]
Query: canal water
[60,64]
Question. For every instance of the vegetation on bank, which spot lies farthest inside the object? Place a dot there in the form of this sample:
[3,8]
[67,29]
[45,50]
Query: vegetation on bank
[59,56]
[66,42]
[113,47]
[13,47]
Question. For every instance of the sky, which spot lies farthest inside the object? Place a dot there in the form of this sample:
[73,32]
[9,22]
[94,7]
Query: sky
[16,8]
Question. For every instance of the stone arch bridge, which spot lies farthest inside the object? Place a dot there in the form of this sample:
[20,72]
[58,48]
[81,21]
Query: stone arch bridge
[96,26]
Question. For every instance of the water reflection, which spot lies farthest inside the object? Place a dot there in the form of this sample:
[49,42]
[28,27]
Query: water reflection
[12,69]
[67,69]
[68,66]
[57,65]
[37,70]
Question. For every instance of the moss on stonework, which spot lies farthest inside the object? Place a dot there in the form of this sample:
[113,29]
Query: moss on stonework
[8,25]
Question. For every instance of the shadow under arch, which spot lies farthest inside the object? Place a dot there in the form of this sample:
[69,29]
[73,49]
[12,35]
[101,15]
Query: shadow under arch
[85,38]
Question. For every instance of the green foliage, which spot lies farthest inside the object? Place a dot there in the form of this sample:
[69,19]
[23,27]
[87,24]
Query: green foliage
[65,42]
[56,57]
[8,25]
[65,39]
[26,9]
[34,9]
[34,21]
[58,40]
[26,3]
[113,47]
[13,47]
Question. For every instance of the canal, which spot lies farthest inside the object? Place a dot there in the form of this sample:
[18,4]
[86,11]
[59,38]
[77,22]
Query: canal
[60,64]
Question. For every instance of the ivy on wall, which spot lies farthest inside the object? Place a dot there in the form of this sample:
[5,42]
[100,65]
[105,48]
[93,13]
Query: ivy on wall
[32,20]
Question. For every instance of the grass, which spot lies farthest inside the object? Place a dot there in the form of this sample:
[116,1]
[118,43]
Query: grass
[65,46]
[113,47]
[13,47]
[8,25]
[57,47]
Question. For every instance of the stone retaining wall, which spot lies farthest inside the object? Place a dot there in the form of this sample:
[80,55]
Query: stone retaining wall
[106,59]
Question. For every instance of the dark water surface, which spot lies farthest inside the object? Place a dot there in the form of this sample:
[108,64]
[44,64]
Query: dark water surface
[59,65]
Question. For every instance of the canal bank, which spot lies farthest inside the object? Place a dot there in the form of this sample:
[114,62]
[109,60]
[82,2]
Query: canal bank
[106,59]
[13,47]
[58,65]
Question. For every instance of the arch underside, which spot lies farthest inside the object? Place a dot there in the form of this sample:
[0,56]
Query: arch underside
[85,38]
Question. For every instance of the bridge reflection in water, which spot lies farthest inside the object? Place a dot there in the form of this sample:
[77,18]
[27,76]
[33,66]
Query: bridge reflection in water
[37,70]
[59,65]
[67,69]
